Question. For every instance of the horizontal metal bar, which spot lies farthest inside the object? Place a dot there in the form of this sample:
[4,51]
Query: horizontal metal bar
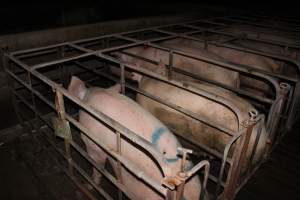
[80,150]
[259,25]
[242,68]
[198,77]
[227,33]
[133,137]
[166,103]
[213,97]
[55,62]
[16,53]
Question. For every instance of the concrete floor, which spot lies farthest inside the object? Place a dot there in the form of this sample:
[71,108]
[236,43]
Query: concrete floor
[27,172]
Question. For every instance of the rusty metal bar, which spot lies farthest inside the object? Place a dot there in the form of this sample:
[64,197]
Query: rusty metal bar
[134,138]
[164,102]
[239,159]
[98,54]
[134,170]
[169,104]
[60,108]
[198,77]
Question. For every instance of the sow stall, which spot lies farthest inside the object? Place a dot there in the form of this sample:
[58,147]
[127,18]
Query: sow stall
[42,74]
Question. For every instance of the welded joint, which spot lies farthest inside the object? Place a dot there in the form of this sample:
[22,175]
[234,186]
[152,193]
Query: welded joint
[284,88]
[253,118]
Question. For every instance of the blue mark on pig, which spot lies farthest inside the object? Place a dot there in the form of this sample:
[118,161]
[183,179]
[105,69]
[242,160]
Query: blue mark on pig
[172,160]
[157,133]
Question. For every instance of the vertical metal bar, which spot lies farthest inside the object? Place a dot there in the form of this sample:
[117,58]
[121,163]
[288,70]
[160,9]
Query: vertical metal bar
[239,159]
[119,165]
[60,108]
[171,55]
[31,90]
[257,138]
[122,79]
[5,64]
[64,70]
[279,106]
[177,193]
[294,107]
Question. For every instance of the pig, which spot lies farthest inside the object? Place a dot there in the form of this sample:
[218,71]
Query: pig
[237,57]
[262,33]
[135,118]
[207,70]
[212,111]
[284,38]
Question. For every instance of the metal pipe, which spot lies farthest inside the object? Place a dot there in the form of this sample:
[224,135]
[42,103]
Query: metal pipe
[167,103]
[134,138]
[198,77]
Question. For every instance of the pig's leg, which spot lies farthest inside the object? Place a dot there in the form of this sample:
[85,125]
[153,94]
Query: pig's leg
[98,155]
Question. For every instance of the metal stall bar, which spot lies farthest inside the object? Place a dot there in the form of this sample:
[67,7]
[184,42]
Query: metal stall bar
[59,88]
[239,157]
[260,25]
[70,58]
[222,64]
[245,37]
[215,98]
[226,155]
[229,146]
[257,52]
[71,175]
[198,77]
[250,70]
[287,45]
[283,19]
[81,49]
[169,104]
[26,51]
[277,23]
[259,22]
[132,137]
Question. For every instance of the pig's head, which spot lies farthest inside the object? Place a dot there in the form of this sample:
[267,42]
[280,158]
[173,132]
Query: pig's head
[77,88]
[166,143]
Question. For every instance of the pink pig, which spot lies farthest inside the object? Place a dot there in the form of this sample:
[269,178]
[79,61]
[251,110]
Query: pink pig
[134,117]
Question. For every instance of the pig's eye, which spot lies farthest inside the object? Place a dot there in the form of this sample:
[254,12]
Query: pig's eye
[164,152]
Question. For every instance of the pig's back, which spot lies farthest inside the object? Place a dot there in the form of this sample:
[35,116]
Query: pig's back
[125,111]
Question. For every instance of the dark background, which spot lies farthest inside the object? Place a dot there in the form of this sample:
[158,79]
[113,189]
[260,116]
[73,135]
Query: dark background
[20,16]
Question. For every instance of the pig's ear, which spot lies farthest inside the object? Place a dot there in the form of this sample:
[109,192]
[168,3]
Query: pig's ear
[120,56]
[116,55]
[77,88]
[115,88]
